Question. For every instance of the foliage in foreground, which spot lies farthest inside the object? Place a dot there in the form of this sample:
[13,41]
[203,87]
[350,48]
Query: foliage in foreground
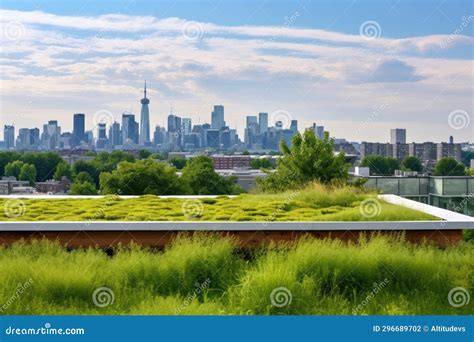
[313,203]
[205,275]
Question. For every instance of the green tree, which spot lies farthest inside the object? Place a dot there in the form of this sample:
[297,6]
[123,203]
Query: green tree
[157,156]
[309,159]
[381,166]
[44,162]
[142,177]
[89,168]
[144,154]
[178,162]
[82,177]
[5,158]
[28,173]
[201,177]
[62,170]
[84,188]
[14,168]
[261,163]
[411,163]
[449,167]
[107,162]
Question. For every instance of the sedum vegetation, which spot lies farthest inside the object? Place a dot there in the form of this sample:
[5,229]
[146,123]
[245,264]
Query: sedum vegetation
[205,275]
[312,203]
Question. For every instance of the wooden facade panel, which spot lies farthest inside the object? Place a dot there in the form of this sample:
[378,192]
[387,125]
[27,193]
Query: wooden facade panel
[107,239]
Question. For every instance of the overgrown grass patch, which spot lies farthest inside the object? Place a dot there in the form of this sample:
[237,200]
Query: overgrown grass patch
[205,274]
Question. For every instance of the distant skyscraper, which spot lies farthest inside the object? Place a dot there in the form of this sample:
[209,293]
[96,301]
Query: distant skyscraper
[263,122]
[212,138]
[294,126]
[115,135]
[186,126]
[129,128]
[78,129]
[9,136]
[318,131]
[23,140]
[102,136]
[174,123]
[398,136]
[251,121]
[34,137]
[217,117]
[159,135]
[145,120]
[89,137]
[51,135]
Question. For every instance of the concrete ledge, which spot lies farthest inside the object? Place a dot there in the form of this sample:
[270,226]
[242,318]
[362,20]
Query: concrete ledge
[444,214]
[230,226]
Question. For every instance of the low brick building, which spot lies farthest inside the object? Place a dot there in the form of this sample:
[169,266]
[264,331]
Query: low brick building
[231,162]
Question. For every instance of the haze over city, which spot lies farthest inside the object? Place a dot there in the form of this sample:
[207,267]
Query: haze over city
[357,75]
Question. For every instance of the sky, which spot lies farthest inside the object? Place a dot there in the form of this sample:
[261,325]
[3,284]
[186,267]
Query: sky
[358,68]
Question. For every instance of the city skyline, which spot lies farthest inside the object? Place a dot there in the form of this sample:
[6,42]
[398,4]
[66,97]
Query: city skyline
[358,77]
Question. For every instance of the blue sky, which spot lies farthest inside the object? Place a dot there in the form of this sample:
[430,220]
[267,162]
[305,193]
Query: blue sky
[356,67]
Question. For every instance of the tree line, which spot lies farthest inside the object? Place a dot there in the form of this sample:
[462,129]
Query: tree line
[119,172]
[308,159]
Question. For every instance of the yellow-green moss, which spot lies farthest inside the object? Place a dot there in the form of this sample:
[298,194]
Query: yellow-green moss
[311,204]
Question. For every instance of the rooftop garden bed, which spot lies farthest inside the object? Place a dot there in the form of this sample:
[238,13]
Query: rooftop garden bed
[314,203]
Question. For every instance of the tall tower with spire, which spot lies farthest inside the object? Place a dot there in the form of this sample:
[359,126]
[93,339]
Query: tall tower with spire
[145,120]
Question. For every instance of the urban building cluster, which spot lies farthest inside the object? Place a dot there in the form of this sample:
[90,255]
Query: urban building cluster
[427,152]
[179,135]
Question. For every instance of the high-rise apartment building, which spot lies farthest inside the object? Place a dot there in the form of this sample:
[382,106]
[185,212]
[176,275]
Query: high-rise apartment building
[398,136]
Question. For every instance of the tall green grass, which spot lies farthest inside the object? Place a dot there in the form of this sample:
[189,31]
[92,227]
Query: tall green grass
[204,274]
